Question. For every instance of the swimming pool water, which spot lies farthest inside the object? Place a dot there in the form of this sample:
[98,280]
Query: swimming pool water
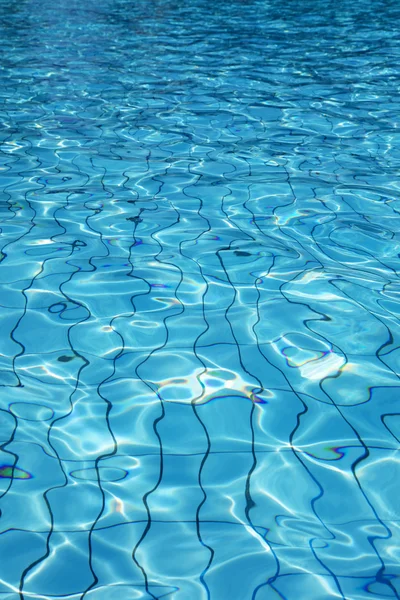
[200,242]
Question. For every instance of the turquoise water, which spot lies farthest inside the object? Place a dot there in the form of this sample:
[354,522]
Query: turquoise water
[200,242]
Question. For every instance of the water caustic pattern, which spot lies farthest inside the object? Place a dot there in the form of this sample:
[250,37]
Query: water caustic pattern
[200,241]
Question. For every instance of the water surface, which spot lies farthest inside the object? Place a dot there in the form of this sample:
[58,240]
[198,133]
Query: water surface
[200,242]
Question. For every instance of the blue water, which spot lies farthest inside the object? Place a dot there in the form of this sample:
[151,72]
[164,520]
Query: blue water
[200,341]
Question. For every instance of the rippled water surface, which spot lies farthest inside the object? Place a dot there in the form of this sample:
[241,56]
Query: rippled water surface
[200,242]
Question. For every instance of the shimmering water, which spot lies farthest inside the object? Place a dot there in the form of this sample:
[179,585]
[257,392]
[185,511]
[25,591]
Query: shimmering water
[200,242]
